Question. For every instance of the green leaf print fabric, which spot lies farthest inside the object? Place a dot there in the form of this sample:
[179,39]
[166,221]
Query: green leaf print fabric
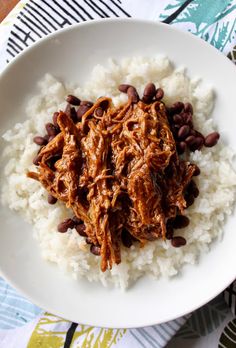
[212,20]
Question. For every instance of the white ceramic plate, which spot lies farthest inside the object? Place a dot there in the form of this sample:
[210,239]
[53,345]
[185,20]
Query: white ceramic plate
[70,54]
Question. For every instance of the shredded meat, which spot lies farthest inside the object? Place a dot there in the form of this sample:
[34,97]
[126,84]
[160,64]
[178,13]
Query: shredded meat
[118,171]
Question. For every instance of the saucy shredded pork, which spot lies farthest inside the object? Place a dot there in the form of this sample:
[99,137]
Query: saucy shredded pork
[117,170]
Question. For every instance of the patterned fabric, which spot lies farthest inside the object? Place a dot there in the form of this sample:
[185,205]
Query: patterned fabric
[14,309]
[232,54]
[22,324]
[230,297]
[213,21]
[47,330]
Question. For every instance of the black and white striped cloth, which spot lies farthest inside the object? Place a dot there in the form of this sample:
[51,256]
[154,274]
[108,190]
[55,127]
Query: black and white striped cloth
[230,297]
[40,18]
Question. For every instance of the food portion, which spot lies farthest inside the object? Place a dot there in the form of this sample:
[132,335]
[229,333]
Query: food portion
[118,169]
[123,183]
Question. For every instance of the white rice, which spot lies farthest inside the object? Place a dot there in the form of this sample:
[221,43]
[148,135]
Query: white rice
[69,251]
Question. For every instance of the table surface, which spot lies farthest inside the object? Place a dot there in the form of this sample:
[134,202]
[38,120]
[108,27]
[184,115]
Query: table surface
[5,7]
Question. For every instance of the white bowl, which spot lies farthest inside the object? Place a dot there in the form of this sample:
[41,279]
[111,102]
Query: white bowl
[69,55]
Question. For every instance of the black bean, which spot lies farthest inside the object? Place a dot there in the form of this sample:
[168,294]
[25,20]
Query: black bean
[193,189]
[196,144]
[183,132]
[176,126]
[177,119]
[180,221]
[175,129]
[68,110]
[51,199]
[51,129]
[71,99]
[65,225]
[192,132]
[95,249]
[46,137]
[199,135]
[54,118]
[197,171]
[159,94]
[184,116]
[176,108]
[189,123]
[71,112]
[51,138]
[82,109]
[149,92]
[40,140]
[212,139]
[188,108]
[169,231]
[195,192]
[187,117]
[126,238]
[190,139]
[181,147]
[73,115]
[178,241]
[76,220]
[36,160]
[87,103]
[133,94]
[189,200]
[98,112]
[88,240]
[123,88]
[81,230]
[146,99]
